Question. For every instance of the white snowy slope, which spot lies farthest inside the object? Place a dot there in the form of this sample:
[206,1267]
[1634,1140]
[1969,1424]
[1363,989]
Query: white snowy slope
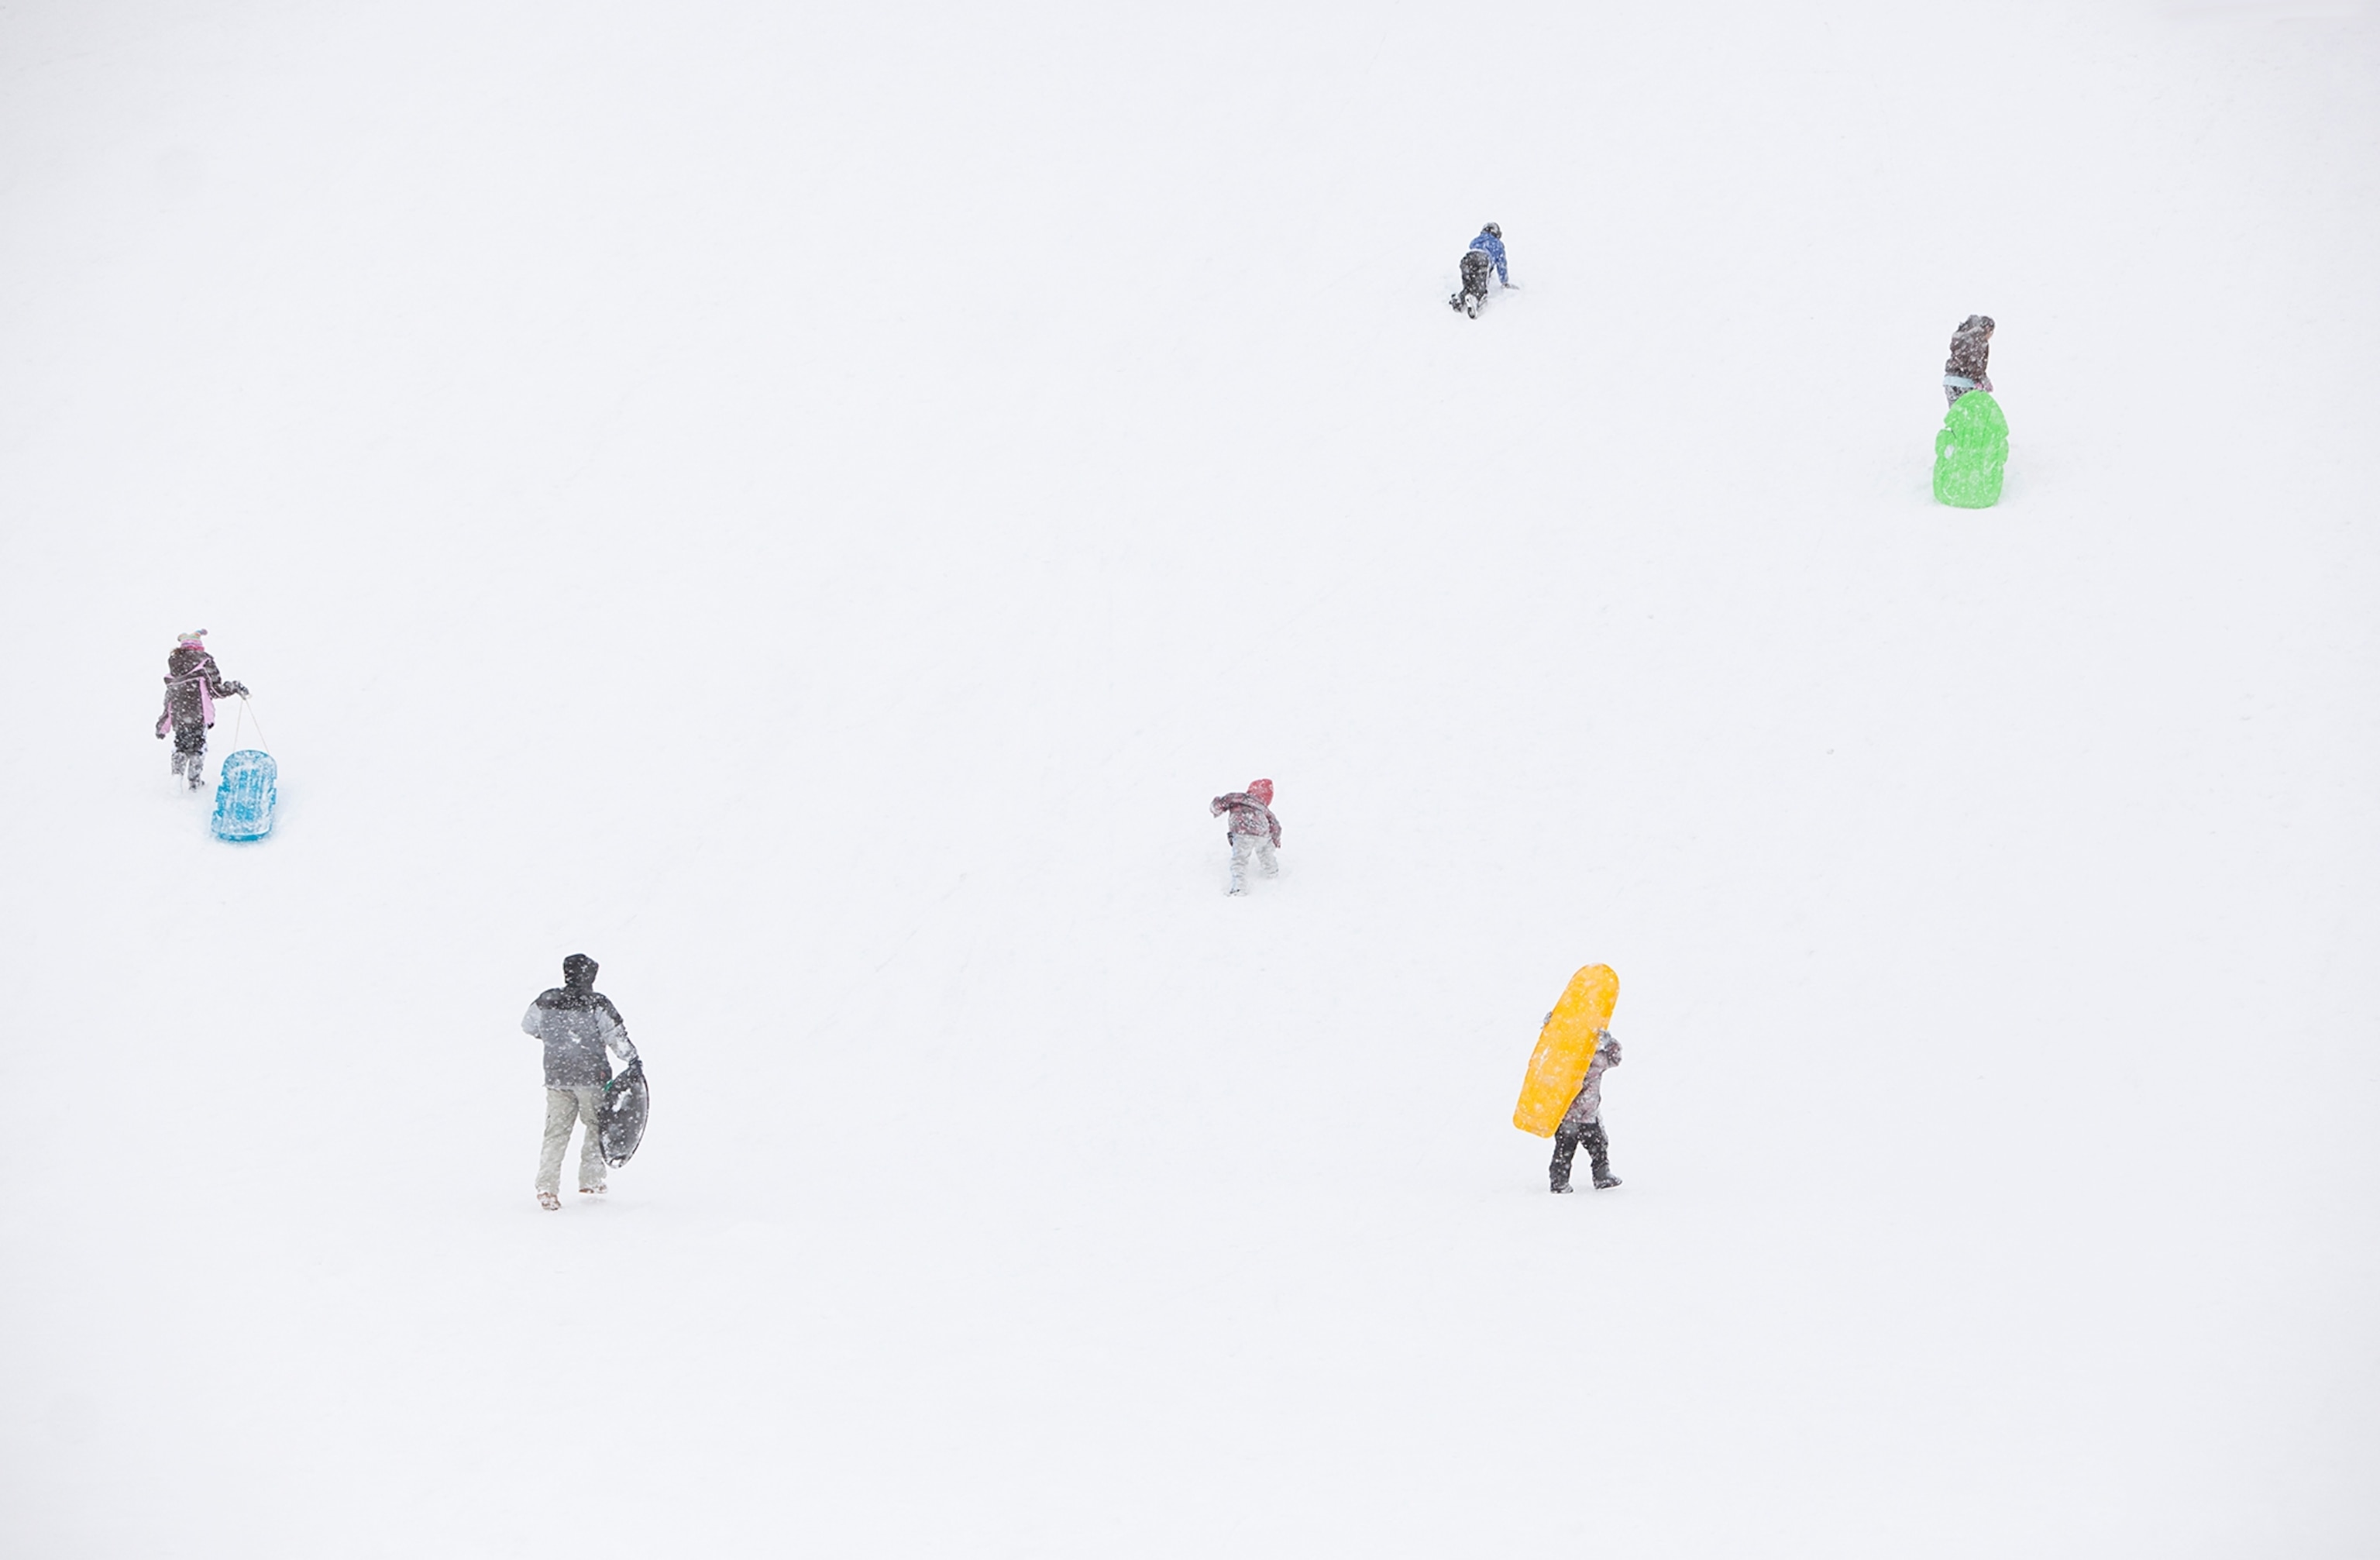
[805,504]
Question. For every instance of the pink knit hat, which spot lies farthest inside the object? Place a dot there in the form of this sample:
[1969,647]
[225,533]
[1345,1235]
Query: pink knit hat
[1261,790]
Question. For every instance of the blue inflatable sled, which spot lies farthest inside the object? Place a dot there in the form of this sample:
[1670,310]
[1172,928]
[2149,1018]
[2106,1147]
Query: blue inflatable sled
[244,794]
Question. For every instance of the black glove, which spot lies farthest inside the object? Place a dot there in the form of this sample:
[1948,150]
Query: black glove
[239,690]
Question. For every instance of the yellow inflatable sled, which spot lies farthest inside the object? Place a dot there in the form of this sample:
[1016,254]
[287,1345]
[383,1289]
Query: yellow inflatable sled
[1565,1046]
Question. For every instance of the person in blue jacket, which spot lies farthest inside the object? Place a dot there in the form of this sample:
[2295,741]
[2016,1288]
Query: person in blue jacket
[1491,242]
[1487,248]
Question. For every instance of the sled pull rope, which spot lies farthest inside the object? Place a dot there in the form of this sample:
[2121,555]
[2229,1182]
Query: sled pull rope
[248,714]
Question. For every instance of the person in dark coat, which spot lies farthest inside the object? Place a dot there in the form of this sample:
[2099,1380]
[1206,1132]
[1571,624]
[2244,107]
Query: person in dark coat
[1583,1122]
[577,1024]
[1971,353]
[193,683]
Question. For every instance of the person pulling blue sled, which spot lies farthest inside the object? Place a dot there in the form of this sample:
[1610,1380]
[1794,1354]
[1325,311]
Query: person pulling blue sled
[193,683]
[1487,250]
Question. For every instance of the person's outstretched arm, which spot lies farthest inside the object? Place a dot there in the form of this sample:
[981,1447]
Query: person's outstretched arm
[615,1033]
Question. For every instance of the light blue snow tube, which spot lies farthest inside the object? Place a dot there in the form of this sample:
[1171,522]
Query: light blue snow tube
[244,794]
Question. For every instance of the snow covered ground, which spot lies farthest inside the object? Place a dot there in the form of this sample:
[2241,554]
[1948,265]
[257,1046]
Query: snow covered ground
[807,504]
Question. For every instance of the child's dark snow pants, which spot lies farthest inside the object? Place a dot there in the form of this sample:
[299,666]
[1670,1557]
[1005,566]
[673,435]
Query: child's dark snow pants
[1476,266]
[1566,1142]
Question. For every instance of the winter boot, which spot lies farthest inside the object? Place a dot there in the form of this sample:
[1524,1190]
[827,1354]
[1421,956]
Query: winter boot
[1598,1157]
[550,1201]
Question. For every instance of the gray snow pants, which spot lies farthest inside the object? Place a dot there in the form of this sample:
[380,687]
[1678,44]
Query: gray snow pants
[563,1107]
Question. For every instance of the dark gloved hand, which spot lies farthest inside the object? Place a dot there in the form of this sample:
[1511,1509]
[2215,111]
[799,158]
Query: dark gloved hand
[237,690]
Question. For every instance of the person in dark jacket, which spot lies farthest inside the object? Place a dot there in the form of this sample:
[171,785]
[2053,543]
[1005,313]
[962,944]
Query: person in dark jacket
[1253,831]
[1583,1122]
[577,1024]
[1970,354]
[193,683]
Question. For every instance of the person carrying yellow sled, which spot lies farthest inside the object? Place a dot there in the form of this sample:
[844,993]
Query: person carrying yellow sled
[1583,1122]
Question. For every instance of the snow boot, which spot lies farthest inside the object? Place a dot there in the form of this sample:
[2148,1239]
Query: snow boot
[549,1201]
[591,1191]
[1599,1156]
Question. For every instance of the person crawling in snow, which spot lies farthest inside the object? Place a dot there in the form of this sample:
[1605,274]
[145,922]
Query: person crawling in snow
[578,1024]
[1253,831]
[193,683]
[1970,354]
[1583,1122]
[1485,251]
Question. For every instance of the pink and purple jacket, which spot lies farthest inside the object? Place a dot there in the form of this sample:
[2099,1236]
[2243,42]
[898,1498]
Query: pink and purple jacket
[193,683]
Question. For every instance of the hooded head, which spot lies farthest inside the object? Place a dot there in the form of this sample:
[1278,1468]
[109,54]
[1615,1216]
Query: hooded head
[578,974]
[1261,790]
[1981,322]
[1493,231]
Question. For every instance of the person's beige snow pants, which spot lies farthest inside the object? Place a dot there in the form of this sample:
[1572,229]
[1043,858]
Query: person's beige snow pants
[563,1107]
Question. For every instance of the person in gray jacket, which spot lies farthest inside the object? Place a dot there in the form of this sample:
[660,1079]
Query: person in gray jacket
[1583,1122]
[578,1024]
[1971,357]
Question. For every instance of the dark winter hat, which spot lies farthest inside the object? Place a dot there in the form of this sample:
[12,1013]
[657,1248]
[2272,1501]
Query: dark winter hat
[578,973]
[1977,321]
[1493,231]
[1261,790]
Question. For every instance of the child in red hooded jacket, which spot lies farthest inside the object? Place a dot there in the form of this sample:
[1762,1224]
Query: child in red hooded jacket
[1254,831]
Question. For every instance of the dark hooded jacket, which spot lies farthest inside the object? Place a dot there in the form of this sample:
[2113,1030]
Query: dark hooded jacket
[1971,351]
[577,1024]
[1586,1106]
[193,683]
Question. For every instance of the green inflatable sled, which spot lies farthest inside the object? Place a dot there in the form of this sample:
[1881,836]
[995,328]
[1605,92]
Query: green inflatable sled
[1971,452]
